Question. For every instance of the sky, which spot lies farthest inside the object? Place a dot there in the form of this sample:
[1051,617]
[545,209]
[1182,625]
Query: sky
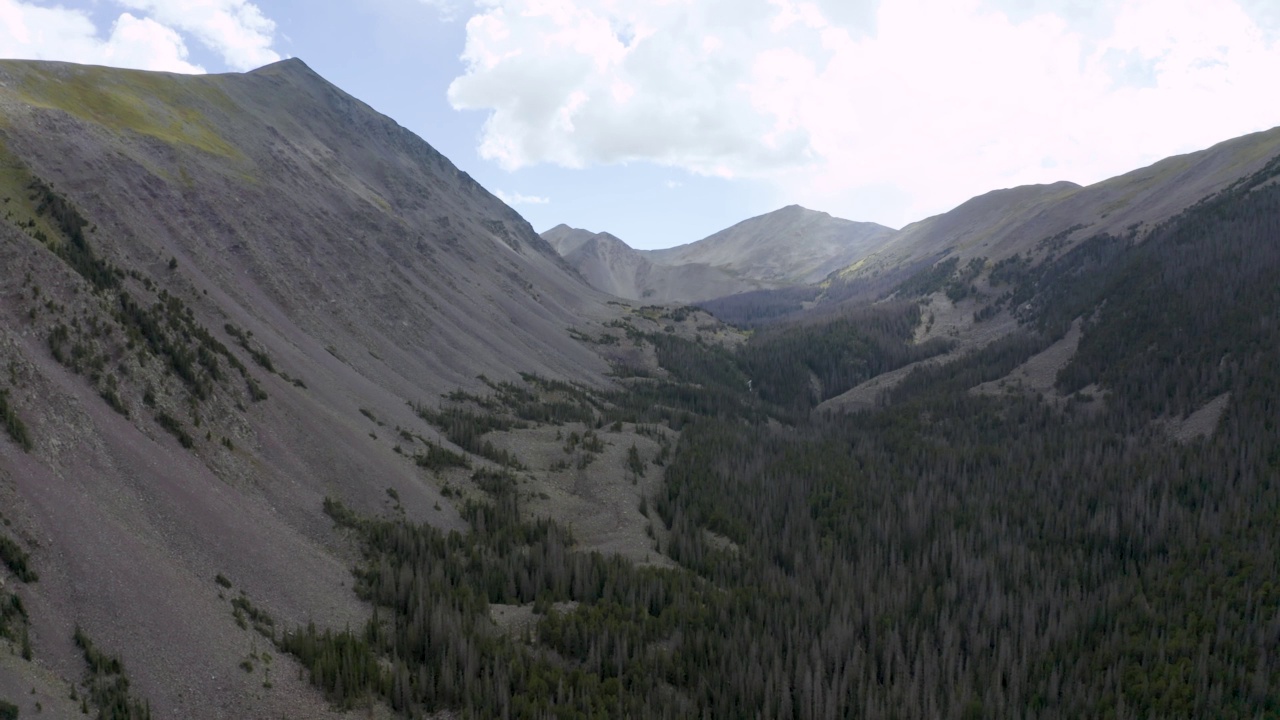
[663,121]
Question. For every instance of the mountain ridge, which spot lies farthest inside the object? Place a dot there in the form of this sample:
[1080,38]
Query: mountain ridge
[253,333]
[610,265]
[789,246]
[174,229]
[786,247]
[1068,212]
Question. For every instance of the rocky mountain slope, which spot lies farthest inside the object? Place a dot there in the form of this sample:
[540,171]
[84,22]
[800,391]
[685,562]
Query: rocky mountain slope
[791,246]
[787,247]
[612,266]
[566,239]
[1038,220]
[1026,225]
[965,264]
[218,296]
[230,306]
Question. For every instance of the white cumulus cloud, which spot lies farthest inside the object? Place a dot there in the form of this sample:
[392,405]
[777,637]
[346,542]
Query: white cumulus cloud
[149,35]
[519,199]
[235,29]
[882,111]
[448,10]
[578,83]
[42,33]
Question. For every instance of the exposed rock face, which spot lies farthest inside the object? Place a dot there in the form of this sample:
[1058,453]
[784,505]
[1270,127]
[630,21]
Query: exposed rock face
[267,258]
[612,266]
[219,294]
[1037,220]
[791,246]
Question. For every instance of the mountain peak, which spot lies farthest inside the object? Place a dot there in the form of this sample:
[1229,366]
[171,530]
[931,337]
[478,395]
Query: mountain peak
[291,64]
[787,246]
[794,209]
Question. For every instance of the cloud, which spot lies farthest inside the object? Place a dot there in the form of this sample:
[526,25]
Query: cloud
[888,110]
[448,10]
[518,199]
[599,81]
[235,29]
[150,40]
[42,33]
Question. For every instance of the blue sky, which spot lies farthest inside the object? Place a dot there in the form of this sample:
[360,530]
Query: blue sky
[663,121]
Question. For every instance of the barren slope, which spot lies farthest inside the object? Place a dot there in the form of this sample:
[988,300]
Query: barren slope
[1037,220]
[785,247]
[273,271]
[612,266]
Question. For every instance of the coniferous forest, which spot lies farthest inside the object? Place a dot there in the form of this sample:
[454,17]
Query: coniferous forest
[947,555]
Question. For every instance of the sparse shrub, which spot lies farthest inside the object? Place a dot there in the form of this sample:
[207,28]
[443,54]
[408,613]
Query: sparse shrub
[13,424]
[634,464]
[108,685]
[174,427]
[113,401]
[256,393]
[494,482]
[243,609]
[17,560]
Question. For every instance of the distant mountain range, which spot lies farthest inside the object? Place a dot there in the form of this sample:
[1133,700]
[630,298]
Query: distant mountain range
[1038,220]
[791,246]
[795,247]
[612,266]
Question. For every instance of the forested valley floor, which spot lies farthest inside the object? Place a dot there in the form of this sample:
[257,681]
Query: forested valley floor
[947,555]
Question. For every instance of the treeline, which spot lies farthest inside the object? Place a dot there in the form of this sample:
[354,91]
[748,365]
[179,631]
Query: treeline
[761,307]
[164,328]
[799,365]
[108,685]
[431,646]
[948,555]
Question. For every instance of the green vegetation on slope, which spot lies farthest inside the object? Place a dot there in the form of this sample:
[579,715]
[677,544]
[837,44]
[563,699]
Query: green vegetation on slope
[14,622]
[108,685]
[151,104]
[948,555]
[13,425]
[119,320]
[17,560]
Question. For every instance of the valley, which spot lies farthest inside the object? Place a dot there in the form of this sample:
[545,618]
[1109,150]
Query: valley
[300,421]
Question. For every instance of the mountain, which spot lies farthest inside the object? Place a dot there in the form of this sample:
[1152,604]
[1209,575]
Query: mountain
[1029,225]
[566,239]
[297,420]
[218,296]
[791,246]
[1090,496]
[612,266]
[1039,220]
[787,247]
